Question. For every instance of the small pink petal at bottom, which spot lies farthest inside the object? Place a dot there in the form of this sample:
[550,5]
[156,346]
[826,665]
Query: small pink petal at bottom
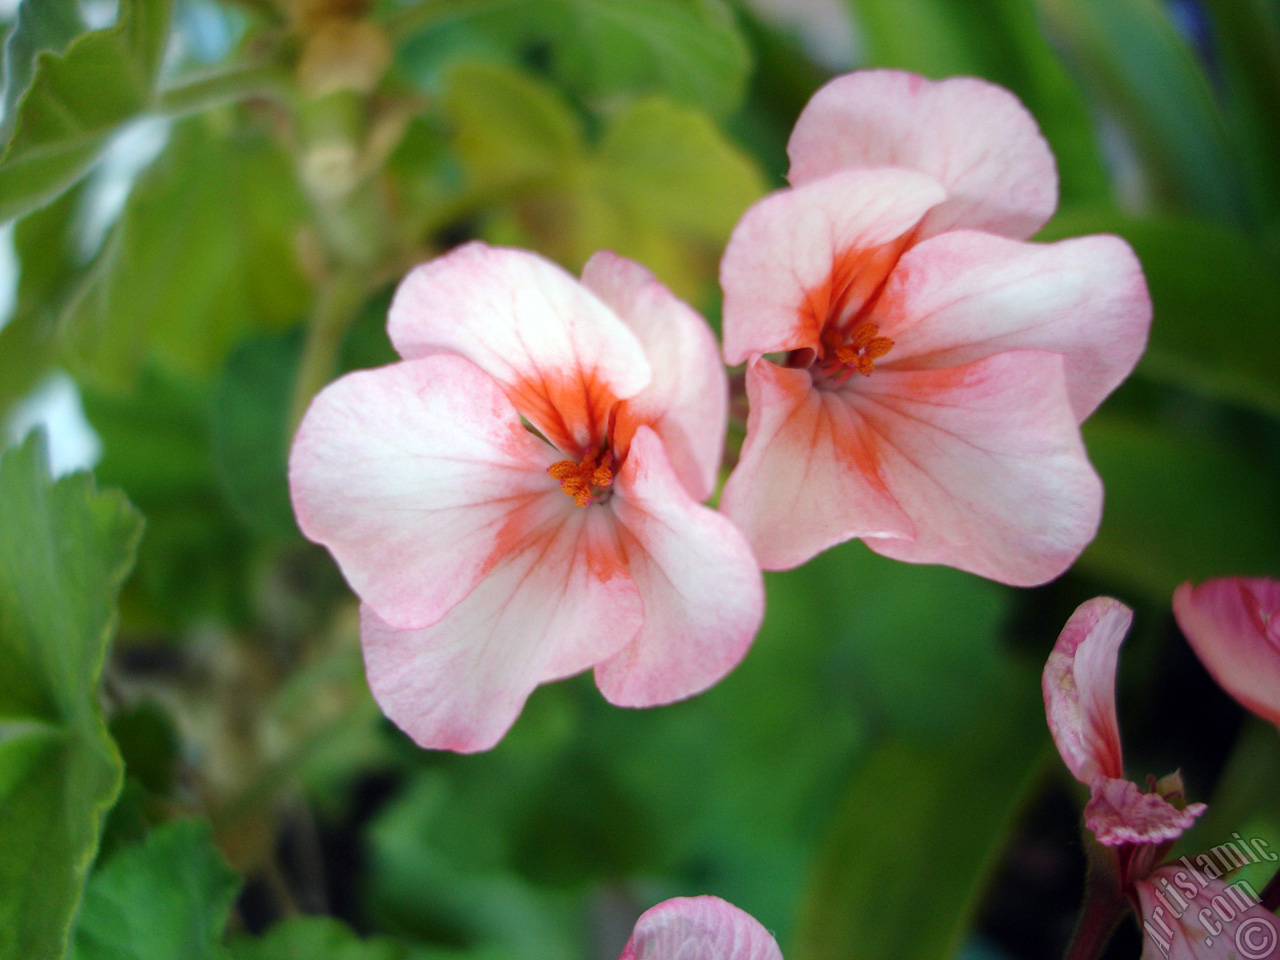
[699,928]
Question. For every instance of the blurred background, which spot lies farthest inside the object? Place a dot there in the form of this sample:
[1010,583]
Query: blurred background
[207,206]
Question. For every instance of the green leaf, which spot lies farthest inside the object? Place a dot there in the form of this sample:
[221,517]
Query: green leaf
[664,185]
[1181,505]
[45,244]
[690,50]
[1140,66]
[1244,800]
[1246,38]
[316,938]
[65,548]
[165,899]
[57,24]
[905,861]
[156,446]
[675,165]
[203,253]
[251,430]
[1216,299]
[510,130]
[26,355]
[1002,41]
[77,99]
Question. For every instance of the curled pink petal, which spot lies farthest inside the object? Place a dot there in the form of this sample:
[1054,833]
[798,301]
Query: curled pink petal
[1233,624]
[561,356]
[557,602]
[700,585]
[687,401]
[1079,685]
[1119,812]
[966,295]
[811,473]
[973,137]
[987,462]
[802,256]
[699,928]
[416,476]
[1186,915]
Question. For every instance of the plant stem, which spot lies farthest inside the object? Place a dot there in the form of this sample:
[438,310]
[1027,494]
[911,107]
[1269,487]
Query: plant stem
[226,85]
[414,19]
[337,302]
[1098,921]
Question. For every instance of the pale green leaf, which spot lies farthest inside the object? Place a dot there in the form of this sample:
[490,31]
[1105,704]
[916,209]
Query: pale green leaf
[64,550]
[671,163]
[510,131]
[663,185]
[690,50]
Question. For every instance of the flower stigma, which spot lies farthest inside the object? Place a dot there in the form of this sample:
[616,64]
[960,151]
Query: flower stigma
[864,348]
[587,480]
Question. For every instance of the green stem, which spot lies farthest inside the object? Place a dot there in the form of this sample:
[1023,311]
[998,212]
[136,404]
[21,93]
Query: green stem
[337,303]
[1270,899]
[428,13]
[1098,921]
[215,87]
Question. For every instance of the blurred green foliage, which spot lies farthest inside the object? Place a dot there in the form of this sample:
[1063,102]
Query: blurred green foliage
[862,779]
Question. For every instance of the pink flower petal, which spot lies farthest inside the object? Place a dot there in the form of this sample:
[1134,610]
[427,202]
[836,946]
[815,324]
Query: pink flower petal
[799,255]
[561,355]
[687,402]
[973,137]
[1079,685]
[966,295]
[1233,624]
[1188,916]
[416,476]
[557,602]
[1119,812]
[811,473]
[699,928]
[986,459]
[701,587]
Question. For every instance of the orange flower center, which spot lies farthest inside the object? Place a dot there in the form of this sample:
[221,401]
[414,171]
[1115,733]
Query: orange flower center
[864,348]
[584,480]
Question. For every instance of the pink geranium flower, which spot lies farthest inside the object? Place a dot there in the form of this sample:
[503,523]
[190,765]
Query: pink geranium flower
[1233,624]
[699,928]
[917,374]
[518,499]
[1186,910]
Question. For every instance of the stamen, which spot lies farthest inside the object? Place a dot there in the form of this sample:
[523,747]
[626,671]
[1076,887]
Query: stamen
[580,480]
[864,348]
